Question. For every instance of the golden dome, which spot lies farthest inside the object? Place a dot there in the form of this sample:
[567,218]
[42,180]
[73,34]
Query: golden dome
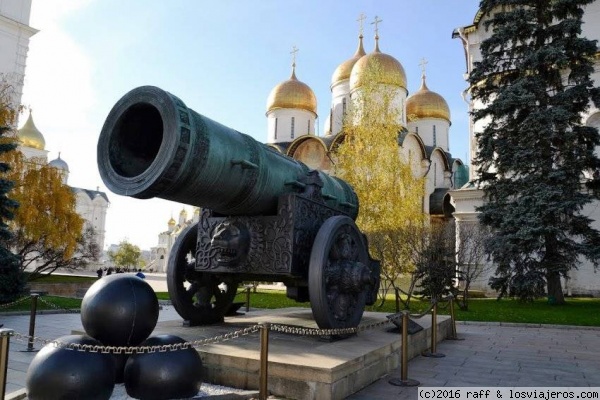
[172,222]
[292,94]
[391,70]
[427,104]
[30,136]
[343,71]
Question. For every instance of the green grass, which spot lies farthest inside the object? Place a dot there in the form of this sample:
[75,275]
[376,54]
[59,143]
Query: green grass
[64,279]
[65,303]
[577,311]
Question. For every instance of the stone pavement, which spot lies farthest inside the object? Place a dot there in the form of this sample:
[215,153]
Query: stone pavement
[492,355]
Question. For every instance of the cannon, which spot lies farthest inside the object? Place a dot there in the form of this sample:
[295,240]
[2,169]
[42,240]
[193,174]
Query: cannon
[264,216]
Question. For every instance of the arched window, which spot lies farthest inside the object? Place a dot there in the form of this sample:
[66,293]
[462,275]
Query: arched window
[292,131]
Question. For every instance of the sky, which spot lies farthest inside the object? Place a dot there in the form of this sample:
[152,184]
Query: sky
[222,58]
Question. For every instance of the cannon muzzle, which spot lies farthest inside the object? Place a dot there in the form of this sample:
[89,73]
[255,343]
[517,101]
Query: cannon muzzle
[153,145]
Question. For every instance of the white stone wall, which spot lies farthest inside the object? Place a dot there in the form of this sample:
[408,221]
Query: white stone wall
[14,42]
[427,127]
[279,124]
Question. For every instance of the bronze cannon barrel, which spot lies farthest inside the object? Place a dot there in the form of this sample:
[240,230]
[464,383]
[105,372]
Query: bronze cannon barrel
[153,145]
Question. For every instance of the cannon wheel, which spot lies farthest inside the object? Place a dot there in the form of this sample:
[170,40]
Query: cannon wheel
[200,298]
[339,251]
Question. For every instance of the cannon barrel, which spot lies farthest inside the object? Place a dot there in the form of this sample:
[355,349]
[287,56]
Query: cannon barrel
[153,145]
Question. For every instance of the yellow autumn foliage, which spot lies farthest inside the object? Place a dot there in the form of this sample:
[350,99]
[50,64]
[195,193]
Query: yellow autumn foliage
[369,159]
[46,214]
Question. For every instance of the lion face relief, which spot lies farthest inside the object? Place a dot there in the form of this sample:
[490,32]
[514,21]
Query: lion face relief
[230,242]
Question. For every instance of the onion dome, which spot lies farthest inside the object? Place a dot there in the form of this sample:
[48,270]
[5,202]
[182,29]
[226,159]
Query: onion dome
[172,222]
[30,136]
[343,71]
[292,94]
[427,104]
[59,163]
[183,212]
[392,72]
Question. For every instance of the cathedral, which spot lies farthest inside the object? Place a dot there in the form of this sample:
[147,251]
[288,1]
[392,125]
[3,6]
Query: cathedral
[159,255]
[15,32]
[291,113]
[582,281]
[91,205]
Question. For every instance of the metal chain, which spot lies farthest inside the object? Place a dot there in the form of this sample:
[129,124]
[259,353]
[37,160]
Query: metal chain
[302,331]
[138,349]
[7,305]
[56,307]
[423,314]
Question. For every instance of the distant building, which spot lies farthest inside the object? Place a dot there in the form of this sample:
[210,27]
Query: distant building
[91,205]
[159,255]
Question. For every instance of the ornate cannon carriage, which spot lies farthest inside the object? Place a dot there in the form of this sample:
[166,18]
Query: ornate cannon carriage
[265,216]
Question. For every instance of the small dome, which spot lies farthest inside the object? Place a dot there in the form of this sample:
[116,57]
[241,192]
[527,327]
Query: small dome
[343,71]
[427,104]
[30,136]
[172,222]
[59,163]
[391,69]
[292,94]
[183,212]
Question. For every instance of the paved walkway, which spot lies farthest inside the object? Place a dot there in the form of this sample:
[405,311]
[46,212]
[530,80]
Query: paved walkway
[491,355]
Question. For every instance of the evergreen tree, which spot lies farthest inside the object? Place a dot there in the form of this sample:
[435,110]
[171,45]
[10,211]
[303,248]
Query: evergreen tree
[534,81]
[11,279]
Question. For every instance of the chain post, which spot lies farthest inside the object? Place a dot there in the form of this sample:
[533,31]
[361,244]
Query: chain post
[34,299]
[5,335]
[264,361]
[433,352]
[404,381]
[248,297]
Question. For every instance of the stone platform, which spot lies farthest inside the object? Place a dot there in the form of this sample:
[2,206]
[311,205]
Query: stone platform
[304,367]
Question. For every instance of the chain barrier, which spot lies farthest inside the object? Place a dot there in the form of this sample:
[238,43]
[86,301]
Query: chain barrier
[21,300]
[57,307]
[139,349]
[424,313]
[281,328]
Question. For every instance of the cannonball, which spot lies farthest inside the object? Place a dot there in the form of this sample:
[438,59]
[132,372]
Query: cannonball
[56,373]
[163,375]
[120,360]
[119,310]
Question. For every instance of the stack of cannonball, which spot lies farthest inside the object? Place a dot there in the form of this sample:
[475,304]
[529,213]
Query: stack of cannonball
[117,310]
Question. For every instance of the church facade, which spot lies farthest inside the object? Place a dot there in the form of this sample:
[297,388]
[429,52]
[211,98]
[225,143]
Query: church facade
[292,112]
[159,255]
[15,32]
[91,205]
[584,280]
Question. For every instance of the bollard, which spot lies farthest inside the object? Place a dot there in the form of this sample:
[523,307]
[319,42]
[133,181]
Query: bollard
[264,361]
[453,320]
[34,298]
[248,297]
[5,335]
[404,381]
[433,352]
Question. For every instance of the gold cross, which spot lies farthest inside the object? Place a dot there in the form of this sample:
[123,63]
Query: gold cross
[293,53]
[422,65]
[361,19]
[376,23]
